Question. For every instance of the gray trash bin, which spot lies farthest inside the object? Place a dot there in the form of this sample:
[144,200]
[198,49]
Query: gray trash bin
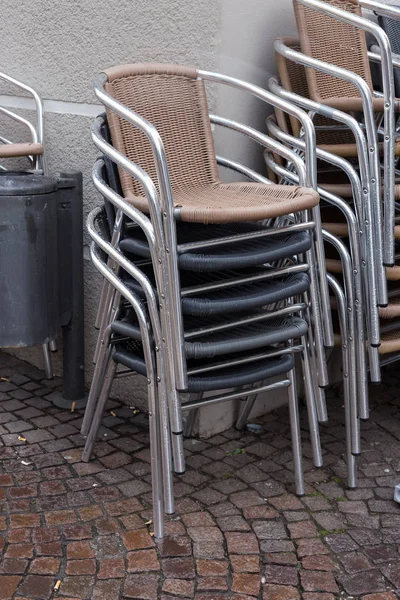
[29,313]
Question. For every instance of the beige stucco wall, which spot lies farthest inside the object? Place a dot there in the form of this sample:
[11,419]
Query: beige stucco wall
[58,47]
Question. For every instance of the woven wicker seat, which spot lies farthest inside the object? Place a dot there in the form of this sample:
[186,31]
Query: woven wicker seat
[173,99]
[230,202]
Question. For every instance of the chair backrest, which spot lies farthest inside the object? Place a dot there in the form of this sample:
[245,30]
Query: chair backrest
[293,79]
[173,99]
[325,38]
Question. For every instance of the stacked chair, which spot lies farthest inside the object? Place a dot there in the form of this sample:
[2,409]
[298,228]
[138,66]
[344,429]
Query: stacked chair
[210,288]
[326,72]
[325,89]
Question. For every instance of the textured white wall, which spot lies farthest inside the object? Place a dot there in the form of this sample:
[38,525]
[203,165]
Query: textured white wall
[58,47]
[248,30]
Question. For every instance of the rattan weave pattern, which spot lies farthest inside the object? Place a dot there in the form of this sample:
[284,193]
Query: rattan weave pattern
[177,107]
[293,78]
[335,42]
[391,311]
[235,202]
[390,342]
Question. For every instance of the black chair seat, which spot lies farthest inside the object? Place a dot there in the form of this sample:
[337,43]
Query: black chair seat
[243,297]
[235,255]
[237,339]
[130,355]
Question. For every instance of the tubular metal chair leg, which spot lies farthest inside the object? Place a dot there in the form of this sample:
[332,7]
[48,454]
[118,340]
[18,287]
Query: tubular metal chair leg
[317,321]
[374,367]
[48,365]
[53,346]
[165,438]
[175,414]
[246,410]
[98,414]
[295,433]
[347,269]
[95,389]
[311,405]
[156,455]
[349,381]
[323,285]
[110,304]
[105,289]
[319,392]
[98,375]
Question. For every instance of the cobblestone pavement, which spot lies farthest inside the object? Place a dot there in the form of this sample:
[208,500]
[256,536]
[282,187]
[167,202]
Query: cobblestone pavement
[239,531]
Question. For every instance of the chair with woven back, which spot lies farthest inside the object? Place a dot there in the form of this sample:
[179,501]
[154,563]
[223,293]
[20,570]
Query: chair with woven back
[162,142]
[334,32]
[339,141]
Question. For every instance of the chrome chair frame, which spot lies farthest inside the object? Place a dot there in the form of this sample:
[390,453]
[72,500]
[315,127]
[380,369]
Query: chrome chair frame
[135,215]
[172,324]
[348,370]
[367,217]
[360,284]
[152,308]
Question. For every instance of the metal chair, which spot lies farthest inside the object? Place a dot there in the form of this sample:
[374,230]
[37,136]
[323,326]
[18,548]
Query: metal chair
[316,108]
[251,357]
[296,80]
[156,399]
[133,84]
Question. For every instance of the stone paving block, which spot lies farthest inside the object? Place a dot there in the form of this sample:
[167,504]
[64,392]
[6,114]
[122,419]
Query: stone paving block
[363,583]
[143,561]
[318,581]
[179,587]
[77,587]
[9,584]
[280,592]
[37,586]
[246,583]
[354,562]
[209,568]
[281,575]
[241,543]
[212,583]
[143,587]
[208,550]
